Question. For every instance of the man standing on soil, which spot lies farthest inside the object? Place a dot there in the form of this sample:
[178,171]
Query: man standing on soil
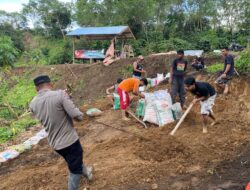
[205,94]
[138,68]
[223,80]
[177,73]
[56,112]
[127,86]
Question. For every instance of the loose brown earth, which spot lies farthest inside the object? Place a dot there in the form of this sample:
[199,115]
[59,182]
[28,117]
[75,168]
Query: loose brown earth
[129,157]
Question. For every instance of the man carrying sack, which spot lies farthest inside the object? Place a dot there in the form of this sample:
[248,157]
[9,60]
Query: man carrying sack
[205,94]
[56,112]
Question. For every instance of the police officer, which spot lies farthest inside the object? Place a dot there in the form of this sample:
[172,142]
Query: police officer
[56,112]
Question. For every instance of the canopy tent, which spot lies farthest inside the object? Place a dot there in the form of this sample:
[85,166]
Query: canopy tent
[102,33]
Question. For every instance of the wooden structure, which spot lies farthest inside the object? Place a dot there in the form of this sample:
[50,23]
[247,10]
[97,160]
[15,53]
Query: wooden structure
[115,33]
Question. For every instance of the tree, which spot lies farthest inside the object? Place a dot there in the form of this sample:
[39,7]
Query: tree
[16,20]
[8,52]
[51,15]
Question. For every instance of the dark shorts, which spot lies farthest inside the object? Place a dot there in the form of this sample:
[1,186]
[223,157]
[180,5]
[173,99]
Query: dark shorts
[73,155]
[224,80]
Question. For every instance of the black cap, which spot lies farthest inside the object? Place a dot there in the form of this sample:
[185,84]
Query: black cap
[145,81]
[189,81]
[41,79]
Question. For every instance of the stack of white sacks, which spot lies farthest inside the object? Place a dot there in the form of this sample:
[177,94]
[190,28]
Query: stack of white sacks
[14,151]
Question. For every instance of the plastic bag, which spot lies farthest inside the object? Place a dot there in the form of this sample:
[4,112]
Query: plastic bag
[8,154]
[20,147]
[93,112]
[176,110]
[140,108]
[116,101]
[160,78]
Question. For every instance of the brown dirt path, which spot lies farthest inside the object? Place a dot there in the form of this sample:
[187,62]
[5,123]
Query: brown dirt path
[189,160]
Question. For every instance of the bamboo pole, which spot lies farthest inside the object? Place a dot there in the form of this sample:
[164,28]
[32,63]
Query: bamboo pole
[182,119]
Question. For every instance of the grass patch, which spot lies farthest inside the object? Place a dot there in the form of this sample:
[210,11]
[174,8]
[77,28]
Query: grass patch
[16,92]
[215,68]
[6,133]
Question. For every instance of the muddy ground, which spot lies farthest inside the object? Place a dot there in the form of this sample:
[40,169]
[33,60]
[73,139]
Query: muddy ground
[128,157]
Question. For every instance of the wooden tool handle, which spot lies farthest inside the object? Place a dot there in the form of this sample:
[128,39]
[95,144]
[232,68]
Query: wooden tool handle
[182,119]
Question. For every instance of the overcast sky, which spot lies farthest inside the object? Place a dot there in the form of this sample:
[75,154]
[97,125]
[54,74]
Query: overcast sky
[16,5]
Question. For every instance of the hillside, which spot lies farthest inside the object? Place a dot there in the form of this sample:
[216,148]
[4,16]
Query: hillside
[127,156]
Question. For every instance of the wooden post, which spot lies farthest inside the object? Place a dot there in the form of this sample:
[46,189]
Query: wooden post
[73,50]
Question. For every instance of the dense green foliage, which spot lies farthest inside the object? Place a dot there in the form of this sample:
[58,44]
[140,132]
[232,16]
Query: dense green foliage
[243,62]
[8,52]
[15,95]
[158,25]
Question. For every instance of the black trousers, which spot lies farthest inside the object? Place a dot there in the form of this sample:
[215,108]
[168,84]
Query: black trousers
[178,88]
[73,155]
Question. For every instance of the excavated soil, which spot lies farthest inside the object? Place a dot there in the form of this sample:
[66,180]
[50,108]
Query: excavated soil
[128,157]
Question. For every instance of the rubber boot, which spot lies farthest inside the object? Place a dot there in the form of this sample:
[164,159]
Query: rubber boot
[74,181]
[87,172]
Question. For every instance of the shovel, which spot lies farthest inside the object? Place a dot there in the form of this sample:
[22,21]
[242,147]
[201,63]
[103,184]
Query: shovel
[182,119]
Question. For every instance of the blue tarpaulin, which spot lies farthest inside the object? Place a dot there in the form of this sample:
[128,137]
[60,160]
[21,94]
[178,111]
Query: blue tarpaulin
[108,32]
[197,53]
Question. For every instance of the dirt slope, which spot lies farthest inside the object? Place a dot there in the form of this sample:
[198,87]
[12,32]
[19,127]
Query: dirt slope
[89,82]
[132,157]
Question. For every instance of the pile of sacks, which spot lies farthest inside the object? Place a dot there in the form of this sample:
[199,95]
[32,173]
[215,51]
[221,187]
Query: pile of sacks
[158,108]
[152,82]
[14,151]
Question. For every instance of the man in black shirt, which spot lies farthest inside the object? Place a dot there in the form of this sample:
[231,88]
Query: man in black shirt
[226,75]
[177,73]
[198,63]
[205,94]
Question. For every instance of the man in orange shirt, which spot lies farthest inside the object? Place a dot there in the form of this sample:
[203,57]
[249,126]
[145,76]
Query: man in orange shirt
[127,86]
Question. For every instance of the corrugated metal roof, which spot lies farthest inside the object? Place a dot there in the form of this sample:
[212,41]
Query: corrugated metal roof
[101,32]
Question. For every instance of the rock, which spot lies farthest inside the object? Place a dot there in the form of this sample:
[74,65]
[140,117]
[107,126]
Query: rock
[154,186]
[148,180]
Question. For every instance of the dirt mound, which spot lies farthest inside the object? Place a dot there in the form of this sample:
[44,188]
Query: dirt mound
[89,82]
[161,149]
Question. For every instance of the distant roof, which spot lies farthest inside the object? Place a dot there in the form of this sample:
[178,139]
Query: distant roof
[197,53]
[103,33]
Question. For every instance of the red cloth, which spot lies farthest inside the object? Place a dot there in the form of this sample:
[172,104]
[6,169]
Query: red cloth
[124,98]
[248,186]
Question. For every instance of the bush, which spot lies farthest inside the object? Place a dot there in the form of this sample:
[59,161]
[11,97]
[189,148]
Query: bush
[243,62]
[8,52]
[60,55]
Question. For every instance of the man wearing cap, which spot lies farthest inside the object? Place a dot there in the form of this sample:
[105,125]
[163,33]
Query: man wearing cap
[138,68]
[205,94]
[56,112]
[177,73]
